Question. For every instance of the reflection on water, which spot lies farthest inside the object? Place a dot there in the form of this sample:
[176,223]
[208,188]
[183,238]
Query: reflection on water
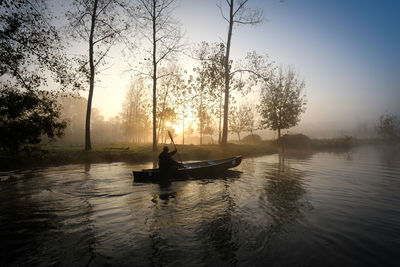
[308,209]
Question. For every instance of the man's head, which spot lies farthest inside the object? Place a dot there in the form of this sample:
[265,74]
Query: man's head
[165,149]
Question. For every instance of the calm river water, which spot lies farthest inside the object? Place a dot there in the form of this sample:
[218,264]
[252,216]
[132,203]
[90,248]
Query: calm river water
[324,209]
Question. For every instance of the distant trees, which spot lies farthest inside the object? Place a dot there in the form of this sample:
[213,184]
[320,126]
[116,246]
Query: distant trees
[162,34]
[389,127]
[239,14]
[167,118]
[170,95]
[282,101]
[241,120]
[73,110]
[99,23]
[134,114]
[207,83]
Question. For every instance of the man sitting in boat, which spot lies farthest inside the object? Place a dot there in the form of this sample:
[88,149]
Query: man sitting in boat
[165,160]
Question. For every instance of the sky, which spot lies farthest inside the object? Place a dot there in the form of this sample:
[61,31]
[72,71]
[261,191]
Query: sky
[347,51]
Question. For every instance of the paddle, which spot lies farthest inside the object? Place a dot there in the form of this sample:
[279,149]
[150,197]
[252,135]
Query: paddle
[172,139]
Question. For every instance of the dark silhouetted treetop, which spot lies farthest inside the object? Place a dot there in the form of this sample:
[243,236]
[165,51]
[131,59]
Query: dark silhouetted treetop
[25,117]
[31,50]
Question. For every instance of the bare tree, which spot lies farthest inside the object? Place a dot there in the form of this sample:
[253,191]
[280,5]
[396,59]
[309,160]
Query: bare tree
[162,33]
[282,101]
[99,23]
[239,14]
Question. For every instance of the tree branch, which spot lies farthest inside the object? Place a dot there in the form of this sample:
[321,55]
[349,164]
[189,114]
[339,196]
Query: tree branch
[222,13]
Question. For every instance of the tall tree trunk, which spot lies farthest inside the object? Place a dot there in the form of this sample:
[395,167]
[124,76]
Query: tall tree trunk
[137,120]
[220,116]
[154,80]
[88,143]
[227,77]
[183,130]
[201,115]
[161,119]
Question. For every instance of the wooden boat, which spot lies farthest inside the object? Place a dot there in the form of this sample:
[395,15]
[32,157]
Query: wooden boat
[204,169]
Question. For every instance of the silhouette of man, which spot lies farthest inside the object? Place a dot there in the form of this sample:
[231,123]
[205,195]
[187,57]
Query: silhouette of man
[165,160]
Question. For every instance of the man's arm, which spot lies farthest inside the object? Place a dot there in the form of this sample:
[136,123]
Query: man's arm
[172,153]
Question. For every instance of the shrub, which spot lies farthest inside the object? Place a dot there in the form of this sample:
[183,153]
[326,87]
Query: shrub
[296,141]
[252,139]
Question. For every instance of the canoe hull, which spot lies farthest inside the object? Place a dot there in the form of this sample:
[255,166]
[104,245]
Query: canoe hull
[191,170]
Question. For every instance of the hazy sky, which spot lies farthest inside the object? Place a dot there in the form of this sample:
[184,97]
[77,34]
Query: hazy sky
[347,51]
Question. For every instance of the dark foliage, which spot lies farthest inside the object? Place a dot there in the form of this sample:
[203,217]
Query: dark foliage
[31,55]
[31,50]
[25,117]
[296,141]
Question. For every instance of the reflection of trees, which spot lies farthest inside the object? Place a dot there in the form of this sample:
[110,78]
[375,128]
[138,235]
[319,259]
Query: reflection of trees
[219,232]
[191,212]
[285,193]
[161,222]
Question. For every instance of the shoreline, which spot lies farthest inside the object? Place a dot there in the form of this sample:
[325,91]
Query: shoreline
[57,155]
[63,155]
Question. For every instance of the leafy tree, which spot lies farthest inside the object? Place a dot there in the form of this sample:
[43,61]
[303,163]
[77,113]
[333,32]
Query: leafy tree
[389,127]
[282,101]
[26,116]
[208,82]
[213,64]
[239,14]
[241,120]
[162,34]
[31,53]
[99,23]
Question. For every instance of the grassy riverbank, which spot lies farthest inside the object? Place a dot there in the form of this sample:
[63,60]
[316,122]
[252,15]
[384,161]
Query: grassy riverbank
[55,155]
[60,155]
